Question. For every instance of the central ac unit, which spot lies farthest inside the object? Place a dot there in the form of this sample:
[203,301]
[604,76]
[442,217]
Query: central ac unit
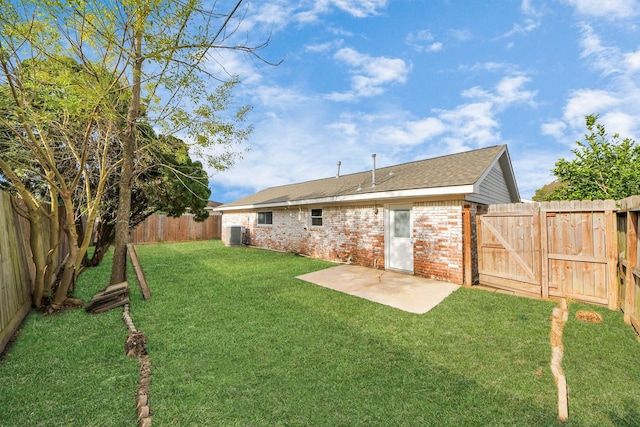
[233,235]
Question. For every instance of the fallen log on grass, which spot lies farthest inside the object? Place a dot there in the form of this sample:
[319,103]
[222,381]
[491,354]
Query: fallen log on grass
[113,296]
[559,318]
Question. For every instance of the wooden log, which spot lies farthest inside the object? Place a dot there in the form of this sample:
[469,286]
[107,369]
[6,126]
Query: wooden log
[107,305]
[563,404]
[113,296]
[559,317]
[144,286]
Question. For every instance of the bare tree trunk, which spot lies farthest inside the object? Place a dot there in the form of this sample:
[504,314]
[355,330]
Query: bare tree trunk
[67,280]
[54,244]
[105,237]
[119,266]
[39,259]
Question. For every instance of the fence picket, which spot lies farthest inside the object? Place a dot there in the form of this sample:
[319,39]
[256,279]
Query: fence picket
[161,228]
[571,253]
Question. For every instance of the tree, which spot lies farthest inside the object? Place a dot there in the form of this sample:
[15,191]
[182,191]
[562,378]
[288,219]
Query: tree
[546,192]
[603,168]
[173,40]
[79,131]
[166,180]
[57,126]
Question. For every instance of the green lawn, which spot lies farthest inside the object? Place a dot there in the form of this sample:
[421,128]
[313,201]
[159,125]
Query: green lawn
[236,340]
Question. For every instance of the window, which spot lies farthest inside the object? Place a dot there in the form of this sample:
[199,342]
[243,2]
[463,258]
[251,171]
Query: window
[401,223]
[265,218]
[316,217]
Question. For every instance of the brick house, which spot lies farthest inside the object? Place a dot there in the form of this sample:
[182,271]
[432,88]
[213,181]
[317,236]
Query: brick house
[416,217]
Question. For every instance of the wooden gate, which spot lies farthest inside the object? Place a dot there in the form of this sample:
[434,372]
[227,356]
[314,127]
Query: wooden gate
[556,249]
[629,259]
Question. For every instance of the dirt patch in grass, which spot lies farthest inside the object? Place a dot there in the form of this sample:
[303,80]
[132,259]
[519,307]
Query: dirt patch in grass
[588,316]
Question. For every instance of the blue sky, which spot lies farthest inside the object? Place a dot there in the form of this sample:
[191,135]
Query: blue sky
[415,79]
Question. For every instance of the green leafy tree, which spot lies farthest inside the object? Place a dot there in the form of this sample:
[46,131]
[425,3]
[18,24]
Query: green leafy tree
[546,192]
[603,167]
[166,181]
[117,63]
[58,121]
[162,48]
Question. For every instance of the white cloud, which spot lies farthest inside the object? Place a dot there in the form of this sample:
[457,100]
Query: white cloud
[527,8]
[278,98]
[490,66]
[588,101]
[460,35]
[311,10]
[423,41]
[370,74]
[608,9]
[509,90]
[360,8]
[602,58]
[522,28]
[324,47]
[226,63]
[272,14]
[529,24]
[412,133]
[434,47]
[616,101]
[277,14]
[470,126]
[291,145]
[555,129]
[632,61]
[619,122]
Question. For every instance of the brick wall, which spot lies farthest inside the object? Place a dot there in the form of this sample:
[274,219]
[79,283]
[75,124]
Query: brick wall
[438,240]
[348,233]
[356,234]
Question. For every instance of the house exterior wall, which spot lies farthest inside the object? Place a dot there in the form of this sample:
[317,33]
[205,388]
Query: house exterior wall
[356,234]
[348,233]
[438,251]
[494,189]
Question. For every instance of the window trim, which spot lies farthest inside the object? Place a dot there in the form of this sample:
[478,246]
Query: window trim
[313,217]
[267,215]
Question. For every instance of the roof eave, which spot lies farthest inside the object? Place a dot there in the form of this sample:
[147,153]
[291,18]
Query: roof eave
[381,195]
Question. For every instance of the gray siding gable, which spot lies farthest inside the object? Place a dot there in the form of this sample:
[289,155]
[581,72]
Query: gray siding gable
[493,189]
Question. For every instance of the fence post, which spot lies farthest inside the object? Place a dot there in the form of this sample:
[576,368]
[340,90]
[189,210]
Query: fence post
[544,251]
[467,252]
[632,256]
[612,256]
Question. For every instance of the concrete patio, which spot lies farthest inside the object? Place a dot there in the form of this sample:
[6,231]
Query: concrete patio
[402,291]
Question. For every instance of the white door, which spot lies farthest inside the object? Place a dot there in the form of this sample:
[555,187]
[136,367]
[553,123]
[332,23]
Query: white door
[400,239]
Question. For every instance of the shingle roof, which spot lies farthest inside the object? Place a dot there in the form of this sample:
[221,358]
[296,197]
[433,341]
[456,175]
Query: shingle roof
[446,171]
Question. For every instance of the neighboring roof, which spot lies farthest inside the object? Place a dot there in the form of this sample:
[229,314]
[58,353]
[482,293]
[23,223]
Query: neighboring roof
[452,174]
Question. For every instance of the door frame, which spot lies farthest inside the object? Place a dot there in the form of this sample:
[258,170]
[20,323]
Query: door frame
[387,234]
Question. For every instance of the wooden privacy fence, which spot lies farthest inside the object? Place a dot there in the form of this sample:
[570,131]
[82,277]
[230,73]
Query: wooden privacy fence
[15,270]
[161,228]
[551,249]
[629,260]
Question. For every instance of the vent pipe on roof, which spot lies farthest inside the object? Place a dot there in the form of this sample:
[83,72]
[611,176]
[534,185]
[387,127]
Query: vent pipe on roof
[373,175]
[338,174]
